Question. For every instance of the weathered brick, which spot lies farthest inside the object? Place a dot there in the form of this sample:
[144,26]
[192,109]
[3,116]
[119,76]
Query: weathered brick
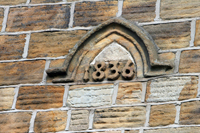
[106,132]
[44,1]
[79,120]
[170,35]
[53,44]
[175,130]
[56,63]
[38,17]
[40,97]
[51,121]
[172,89]
[172,9]
[167,56]
[189,61]
[6,98]
[12,46]
[197,34]
[94,13]
[190,113]
[21,72]
[90,95]
[129,93]
[12,2]
[162,115]
[119,117]
[15,122]
[132,131]
[140,11]
[1,17]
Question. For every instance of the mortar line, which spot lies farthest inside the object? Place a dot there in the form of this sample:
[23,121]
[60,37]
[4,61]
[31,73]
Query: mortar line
[144,88]
[122,131]
[182,49]
[47,64]
[69,112]
[26,46]
[157,11]
[72,15]
[198,93]
[115,91]
[15,98]
[178,108]
[6,12]
[31,127]
[177,61]
[141,130]
[120,6]
[91,119]
[28,2]
[193,30]
[65,95]
[148,110]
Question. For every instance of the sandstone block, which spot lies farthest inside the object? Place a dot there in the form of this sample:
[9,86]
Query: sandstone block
[56,63]
[44,1]
[129,93]
[94,13]
[51,121]
[21,72]
[1,17]
[170,35]
[197,35]
[119,117]
[172,89]
[106,132]
[175,130]
[15,122]
[40,97]
[140,11]
[38,17]
[79,120]
[162,115]
[171,9]
[90,95]
[6,98]
[12,2]
[12,46]
[189,61]
[190,113]
[132,131]
[53,44]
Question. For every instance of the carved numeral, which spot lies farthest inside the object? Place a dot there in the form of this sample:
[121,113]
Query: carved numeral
[98,74]
[86,75]
[114,71]
[128,71]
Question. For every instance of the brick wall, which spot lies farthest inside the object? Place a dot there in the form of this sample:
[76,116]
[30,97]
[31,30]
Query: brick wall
[38,34]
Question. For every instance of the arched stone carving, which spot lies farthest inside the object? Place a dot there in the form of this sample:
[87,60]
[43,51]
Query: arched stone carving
[133,38]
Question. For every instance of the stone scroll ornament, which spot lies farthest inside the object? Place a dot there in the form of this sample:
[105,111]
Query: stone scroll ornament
[144,61]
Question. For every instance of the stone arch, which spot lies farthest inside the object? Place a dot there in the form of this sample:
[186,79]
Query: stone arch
[132,37]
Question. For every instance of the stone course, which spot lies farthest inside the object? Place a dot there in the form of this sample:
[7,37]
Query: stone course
[6,98]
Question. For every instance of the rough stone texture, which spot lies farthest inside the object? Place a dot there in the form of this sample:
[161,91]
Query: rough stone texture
[1,17]
[167,56]
[190,113]
[40,97]
[119,117]
[175,130]
[113,52]
[172,89]
[44,1]
[53,44]
[21,72]
[141,11]
[56,63]
[106,132]
[79,120]
[170,35]
[12,47]
[197,35]
[15,122]
[6,98]
[38,17]
[162,115]
[90,95]
[129,93]
[172,9]
[94,13]
[189,61]
[51,121]
[12,2]
[132,131]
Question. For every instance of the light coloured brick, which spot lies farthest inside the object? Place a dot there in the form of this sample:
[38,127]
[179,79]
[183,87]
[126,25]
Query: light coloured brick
[6,98]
